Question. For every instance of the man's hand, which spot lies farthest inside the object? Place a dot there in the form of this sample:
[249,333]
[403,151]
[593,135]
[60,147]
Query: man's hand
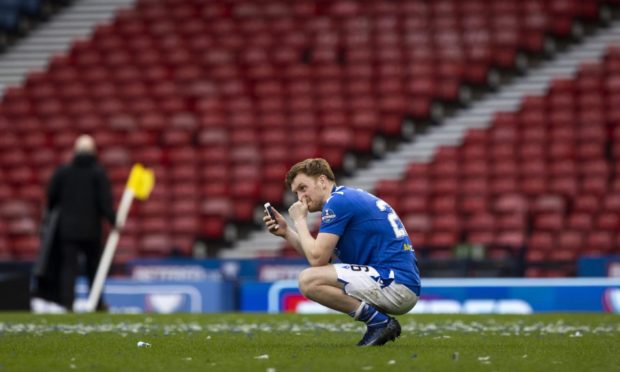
[299,210]
[278,226]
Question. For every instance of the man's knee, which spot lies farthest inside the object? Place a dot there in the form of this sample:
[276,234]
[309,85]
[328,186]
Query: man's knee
[307,280]
[313,279]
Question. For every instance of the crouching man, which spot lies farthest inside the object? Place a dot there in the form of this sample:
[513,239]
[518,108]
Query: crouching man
[378,274]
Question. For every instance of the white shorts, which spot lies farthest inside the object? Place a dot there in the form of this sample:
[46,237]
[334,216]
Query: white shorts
[358,282]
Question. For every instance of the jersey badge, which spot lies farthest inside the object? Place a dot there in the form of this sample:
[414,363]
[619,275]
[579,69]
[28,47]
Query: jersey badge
[328,216]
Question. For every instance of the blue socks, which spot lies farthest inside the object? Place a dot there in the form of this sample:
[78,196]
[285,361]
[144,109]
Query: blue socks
[370,315]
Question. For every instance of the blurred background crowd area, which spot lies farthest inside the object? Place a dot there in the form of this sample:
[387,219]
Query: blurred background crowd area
[491,127]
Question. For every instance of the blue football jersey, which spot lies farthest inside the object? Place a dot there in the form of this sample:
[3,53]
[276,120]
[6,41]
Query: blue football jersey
[370,234]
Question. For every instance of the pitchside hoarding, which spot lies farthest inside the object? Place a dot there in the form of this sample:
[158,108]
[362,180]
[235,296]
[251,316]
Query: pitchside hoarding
[270,285]
[134,296]
[470,296]
[266,269]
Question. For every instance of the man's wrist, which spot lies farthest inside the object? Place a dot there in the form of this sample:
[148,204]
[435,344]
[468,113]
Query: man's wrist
[287,233]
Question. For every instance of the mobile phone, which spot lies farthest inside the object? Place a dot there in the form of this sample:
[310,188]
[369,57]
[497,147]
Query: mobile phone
[269,210]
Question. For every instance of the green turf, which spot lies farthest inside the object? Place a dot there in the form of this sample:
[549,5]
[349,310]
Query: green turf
[262,342]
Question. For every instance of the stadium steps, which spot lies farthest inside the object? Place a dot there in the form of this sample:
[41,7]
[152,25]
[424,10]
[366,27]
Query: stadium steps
[54,37]
[478,115]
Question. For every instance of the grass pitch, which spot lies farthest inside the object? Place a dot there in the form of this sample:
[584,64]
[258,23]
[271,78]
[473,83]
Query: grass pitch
[263,342]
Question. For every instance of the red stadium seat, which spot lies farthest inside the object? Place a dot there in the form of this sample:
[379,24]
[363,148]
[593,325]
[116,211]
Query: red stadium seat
[599,243]
[549,221]
[25,247]
[511,239]
[156,244]
[188,224]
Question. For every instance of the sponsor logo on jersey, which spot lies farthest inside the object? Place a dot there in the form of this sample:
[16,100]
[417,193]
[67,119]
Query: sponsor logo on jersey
[328,216]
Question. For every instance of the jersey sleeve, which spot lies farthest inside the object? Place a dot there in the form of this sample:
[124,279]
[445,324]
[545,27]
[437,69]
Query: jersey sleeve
[335,215]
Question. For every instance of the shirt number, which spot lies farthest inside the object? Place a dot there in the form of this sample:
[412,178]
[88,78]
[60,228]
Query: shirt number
[397,225]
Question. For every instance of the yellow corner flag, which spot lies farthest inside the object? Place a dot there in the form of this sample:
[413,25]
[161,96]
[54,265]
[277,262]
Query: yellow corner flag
[141,181]
[140,184]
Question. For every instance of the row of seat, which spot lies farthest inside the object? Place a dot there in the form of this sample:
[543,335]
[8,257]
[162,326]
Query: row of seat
[364,84]
[307,92]
[345,9]
[308,98]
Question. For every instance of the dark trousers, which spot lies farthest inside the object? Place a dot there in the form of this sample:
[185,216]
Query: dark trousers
[71,251]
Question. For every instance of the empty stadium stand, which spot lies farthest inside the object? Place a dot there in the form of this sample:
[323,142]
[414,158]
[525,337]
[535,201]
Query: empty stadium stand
[220,98]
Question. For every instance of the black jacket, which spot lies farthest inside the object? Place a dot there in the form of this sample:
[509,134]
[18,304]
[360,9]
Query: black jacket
[82,191]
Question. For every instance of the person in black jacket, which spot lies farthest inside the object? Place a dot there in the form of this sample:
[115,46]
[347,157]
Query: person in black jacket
[82,192]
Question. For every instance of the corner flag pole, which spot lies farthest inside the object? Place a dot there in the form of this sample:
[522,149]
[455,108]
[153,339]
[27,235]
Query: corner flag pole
[139,185]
